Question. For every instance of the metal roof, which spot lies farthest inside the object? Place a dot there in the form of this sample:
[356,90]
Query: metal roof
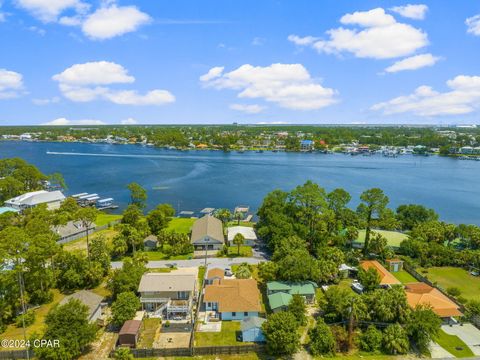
[207,226]
[35,198]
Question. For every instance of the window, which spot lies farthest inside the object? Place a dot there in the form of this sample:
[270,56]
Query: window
[209,305]
[234,314]
[245,313]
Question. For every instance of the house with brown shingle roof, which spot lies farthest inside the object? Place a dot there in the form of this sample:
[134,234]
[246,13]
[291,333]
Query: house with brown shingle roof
[207,233]
[386,278]
[233,299]
[424,294]
[214,274]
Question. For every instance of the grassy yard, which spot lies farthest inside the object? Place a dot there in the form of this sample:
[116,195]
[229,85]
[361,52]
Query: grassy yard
[242,223]
[404,277]
[159,255]
[148,332]
[452,344]
[227,336]
[394,238]
[81,244]
[14,333]
[181,225]
[448,276]
[201,275]
[104,218]
[245,251]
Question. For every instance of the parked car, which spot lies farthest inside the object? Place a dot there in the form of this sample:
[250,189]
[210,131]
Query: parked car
[357,287]
[171,266]
[228,272]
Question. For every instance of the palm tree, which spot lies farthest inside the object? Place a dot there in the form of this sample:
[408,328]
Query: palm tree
[395,340]
[243,271]
[238,240]
[223,214]
[238,216]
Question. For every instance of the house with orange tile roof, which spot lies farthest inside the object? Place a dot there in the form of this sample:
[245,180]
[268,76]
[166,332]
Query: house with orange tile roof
[233,299]
[424,294]
[386,278]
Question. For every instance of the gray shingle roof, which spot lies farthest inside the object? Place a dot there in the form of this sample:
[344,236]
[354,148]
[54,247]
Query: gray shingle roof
[252,322]
[167,282]
[207,226]
[88,298]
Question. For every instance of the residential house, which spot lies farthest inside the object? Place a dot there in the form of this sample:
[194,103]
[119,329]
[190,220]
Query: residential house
[251,328]
[247,232]
[207,233]
[423,294]
[90,299]
[169,295]
[386,278]
[306,145]
[232,299]
[280,293]
[150,242]
[71,230]
[53,199]
[129,333]
[214,274]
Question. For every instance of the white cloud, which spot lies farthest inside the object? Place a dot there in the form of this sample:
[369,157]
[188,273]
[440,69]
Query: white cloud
[249,109]
[129,121]
[49,10]
[258,41]
[90,81]
[371,38]
[111,21]
[11,84]
[288,85]
[416,12]
[473,25]
[413,63]
[462,98]
[65,122]
[46,101]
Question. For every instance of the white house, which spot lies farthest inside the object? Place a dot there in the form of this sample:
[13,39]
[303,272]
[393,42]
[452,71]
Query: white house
[207,233]
[232,299]
[53,199]
[247,232]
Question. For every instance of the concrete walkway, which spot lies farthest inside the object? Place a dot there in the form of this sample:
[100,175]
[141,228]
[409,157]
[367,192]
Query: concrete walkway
[437,352]
[211,262]
[469,334]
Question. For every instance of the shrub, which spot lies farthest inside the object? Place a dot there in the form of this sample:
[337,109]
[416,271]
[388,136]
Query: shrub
[322,340]
[28,317]
[454,291]
[371,339]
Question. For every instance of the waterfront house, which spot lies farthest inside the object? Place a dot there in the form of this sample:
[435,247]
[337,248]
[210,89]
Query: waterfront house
[150,242]
[207,233]
[169,295]
[71,230]
[306,145]
[232,299]
[423,294]
[90,299]
[251,328]
[53,199]
[247,232]
[386,278]
[129,333]
[5,209]
[280,293]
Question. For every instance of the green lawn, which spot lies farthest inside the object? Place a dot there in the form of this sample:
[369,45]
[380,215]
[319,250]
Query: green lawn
[228,336]
[104,218]
[181,225]
[448,276]
[159,255]
[242,223]
[452,344]
[81,244]
[404,277]
[201,275]
[245,251]
[394,238]
[148,332]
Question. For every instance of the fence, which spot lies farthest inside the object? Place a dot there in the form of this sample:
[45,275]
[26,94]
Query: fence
[83,233]
[16,354]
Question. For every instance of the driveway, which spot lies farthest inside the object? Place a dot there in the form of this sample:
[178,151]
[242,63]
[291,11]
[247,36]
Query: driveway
[468,333]
[437,352]
[212,262]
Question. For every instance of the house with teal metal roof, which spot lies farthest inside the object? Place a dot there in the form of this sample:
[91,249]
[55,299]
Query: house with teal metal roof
[280,293]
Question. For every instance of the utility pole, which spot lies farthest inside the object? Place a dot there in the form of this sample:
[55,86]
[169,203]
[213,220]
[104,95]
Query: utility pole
[21,285]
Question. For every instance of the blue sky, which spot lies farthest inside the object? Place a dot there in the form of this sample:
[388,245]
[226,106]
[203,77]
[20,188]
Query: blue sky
[176,62]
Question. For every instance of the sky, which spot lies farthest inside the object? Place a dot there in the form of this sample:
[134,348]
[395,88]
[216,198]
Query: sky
[81,62]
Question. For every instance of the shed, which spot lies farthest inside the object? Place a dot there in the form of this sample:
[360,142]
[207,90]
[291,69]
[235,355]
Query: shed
[251,328]
[394,265]
[129,333]
[150,242]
